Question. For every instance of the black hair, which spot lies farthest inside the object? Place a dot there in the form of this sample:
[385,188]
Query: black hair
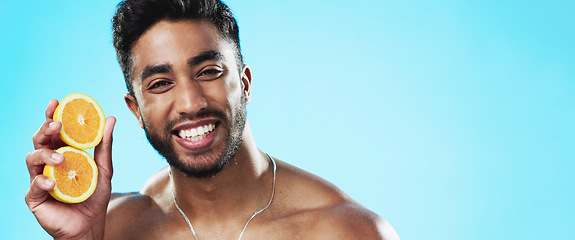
[134,17]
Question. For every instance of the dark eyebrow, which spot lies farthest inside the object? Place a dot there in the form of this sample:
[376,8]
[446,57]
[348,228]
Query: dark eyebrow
[151,70]
[205,56]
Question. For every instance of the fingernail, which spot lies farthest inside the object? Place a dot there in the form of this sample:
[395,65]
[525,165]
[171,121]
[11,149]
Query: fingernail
[52,124]
[58,157]
[47,182]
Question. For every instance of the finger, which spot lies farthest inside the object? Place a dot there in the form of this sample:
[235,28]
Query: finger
[103,152]
[37,159]
[43,137]
[38,191]
[50,110]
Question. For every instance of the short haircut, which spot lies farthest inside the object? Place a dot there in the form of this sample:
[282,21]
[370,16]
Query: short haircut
[134,17]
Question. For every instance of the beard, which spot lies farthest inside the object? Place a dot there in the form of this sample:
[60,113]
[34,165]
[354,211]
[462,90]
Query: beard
[207,163]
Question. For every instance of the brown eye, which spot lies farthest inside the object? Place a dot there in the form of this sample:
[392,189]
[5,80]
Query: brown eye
[211,73]
[159,84]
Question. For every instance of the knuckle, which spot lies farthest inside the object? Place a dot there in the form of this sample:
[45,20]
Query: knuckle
[30,156]
[31,197]
[27,198]
[38,156]
[36,138]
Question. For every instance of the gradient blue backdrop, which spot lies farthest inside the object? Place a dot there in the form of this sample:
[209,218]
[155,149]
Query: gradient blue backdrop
[451,119]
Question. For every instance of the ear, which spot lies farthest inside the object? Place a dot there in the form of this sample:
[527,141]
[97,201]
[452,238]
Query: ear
[246,82]
[133,106]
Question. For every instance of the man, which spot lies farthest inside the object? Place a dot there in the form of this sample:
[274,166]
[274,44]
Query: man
[188,88]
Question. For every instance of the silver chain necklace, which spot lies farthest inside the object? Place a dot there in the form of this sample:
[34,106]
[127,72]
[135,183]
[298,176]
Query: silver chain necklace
[248,222]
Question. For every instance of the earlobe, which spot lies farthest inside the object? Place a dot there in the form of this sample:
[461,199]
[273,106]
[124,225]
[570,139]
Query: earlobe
[133,106]
[246,82]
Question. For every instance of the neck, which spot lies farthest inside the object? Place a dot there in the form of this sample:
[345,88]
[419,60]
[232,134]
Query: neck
[243,186]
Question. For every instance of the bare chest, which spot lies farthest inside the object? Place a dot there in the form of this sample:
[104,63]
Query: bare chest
[175,227]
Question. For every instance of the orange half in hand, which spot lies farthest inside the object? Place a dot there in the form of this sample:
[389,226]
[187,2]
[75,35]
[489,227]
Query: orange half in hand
[76,178]
[82,120]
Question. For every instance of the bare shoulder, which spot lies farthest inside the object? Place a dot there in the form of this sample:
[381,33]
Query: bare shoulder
[149,196]
[129,213]
[351,221]
[325,210]
[125,212]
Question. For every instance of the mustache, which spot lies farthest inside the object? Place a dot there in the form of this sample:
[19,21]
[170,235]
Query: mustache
[202,113]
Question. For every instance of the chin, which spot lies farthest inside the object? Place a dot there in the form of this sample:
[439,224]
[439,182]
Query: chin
[201,165]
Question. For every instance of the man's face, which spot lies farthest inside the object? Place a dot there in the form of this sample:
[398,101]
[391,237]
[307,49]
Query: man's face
[190,95]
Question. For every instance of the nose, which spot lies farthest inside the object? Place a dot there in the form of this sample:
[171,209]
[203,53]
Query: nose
[189,98]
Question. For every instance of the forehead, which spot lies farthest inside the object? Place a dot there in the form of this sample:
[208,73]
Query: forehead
[174,42]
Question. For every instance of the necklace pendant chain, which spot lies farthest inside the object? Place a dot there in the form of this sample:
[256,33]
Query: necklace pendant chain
[249,220]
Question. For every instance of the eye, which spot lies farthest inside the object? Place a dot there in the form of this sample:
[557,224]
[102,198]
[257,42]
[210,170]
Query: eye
[159,84]
[210,73]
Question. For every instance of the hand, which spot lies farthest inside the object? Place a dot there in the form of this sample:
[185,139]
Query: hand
[61,220]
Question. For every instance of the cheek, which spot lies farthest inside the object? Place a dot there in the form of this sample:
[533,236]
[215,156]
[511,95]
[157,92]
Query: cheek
[234,90]
[221,93]
[155,113]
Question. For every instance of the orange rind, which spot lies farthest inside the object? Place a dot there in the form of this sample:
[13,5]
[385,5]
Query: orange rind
[82,120]
[76,178]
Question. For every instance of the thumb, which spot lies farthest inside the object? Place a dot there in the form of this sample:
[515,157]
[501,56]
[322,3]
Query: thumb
[103,152]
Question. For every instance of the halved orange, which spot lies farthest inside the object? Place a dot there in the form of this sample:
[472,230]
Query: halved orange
[82,121]
[76,178]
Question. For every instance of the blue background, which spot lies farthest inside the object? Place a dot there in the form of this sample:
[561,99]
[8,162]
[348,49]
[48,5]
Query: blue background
[451,119]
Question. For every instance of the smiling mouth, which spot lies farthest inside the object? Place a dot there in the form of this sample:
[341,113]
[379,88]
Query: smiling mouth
[197,133]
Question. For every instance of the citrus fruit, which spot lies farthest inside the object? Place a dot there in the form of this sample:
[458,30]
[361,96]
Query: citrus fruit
[76,178]
[82,121]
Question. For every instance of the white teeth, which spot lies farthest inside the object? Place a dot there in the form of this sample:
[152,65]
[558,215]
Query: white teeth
[198,133]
